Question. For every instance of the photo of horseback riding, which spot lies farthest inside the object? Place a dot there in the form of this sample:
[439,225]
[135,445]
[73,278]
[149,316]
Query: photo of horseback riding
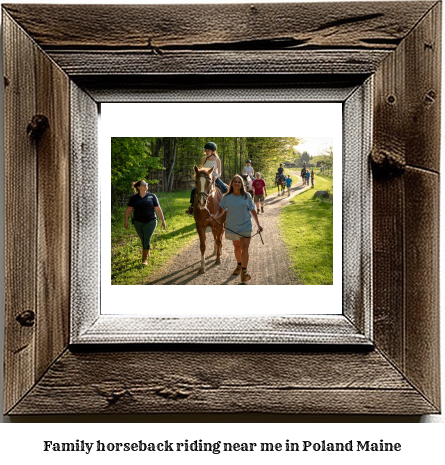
[222,222]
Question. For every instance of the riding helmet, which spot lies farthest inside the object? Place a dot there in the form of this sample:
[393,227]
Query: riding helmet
[248,161]
[210,146]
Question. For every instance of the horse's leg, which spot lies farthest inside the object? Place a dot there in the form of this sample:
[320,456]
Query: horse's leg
[218,232]
[202,244]
[215,235]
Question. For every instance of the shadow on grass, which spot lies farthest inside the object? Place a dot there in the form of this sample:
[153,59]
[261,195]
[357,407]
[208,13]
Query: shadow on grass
[176,275]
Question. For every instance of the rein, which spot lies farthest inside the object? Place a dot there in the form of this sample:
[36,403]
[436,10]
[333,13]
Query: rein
[206,196]
[234,232]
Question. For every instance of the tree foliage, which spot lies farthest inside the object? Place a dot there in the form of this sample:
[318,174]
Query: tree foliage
[131,161]
[167,162]
[324,158]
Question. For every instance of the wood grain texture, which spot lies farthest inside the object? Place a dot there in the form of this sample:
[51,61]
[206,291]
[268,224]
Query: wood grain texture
[388,268]
[406,205]
[259,26]
[222,382]
[408,83]
[38,225]
[53,201]
[400,376]
[79,63]
[357,209]
[422,281]
[20,223]
[112,329]
[423,91]
[85,212]
[219,87]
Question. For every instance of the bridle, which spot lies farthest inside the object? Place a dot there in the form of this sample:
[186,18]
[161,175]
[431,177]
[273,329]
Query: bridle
[204,195]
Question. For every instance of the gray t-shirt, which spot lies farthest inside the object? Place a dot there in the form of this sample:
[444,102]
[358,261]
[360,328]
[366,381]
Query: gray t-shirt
[238,212]
[248,170]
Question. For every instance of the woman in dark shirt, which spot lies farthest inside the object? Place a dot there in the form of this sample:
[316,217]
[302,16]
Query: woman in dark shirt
[144,205]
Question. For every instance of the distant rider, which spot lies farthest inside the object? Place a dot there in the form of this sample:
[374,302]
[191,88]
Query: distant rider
[248,169]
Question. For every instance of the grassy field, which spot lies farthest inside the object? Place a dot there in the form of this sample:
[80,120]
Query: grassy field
[126,253]
[307,229]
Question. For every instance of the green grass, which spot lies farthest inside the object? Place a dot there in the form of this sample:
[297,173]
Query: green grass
[307,229]
[126,249]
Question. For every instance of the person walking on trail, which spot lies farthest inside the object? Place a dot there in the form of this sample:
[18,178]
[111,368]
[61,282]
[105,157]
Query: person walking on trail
[145,206]
[248,169]
[303,175]
[209,159]
[307,177]
[312,178]
[240,210]
[288,184]
[259,192]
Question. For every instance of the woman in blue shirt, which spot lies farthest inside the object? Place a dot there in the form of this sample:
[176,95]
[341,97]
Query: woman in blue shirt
[240,210]
[146,207]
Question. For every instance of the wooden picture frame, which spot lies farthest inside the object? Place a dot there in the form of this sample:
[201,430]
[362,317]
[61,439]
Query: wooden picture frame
[77,56]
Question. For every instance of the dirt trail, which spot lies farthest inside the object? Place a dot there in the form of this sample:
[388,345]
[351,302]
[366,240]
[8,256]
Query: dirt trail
[268,263]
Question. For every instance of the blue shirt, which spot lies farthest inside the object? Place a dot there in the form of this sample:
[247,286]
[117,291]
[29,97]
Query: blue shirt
[238,212]
[288,182]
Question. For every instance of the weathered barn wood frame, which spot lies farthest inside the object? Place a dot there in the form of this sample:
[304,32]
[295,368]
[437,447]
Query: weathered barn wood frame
[76,56]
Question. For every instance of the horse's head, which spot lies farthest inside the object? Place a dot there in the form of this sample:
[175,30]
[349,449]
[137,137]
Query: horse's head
[204,184]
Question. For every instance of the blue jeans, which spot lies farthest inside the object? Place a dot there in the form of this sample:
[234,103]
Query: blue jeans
[222,187]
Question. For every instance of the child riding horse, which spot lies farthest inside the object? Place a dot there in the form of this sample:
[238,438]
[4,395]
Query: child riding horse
[206,203]
[209,160]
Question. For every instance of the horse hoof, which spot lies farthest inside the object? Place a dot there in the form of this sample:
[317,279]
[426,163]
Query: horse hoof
[218,262]
[201,271]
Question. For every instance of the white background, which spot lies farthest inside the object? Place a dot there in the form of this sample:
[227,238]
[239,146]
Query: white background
[228,119]
[21,442]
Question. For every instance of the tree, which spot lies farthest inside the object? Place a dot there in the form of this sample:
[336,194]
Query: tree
[324,157]
[131,161]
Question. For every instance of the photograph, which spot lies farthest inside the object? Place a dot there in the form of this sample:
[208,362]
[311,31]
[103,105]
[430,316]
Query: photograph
[222,210]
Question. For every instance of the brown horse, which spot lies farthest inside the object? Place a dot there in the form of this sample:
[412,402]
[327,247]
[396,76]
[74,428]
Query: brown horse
[280,181]
[206,203]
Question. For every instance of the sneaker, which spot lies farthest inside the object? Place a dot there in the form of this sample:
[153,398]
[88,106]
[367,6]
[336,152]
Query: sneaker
[258,211]
[189,210]
[245,276]
[237,270]
[262,210]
